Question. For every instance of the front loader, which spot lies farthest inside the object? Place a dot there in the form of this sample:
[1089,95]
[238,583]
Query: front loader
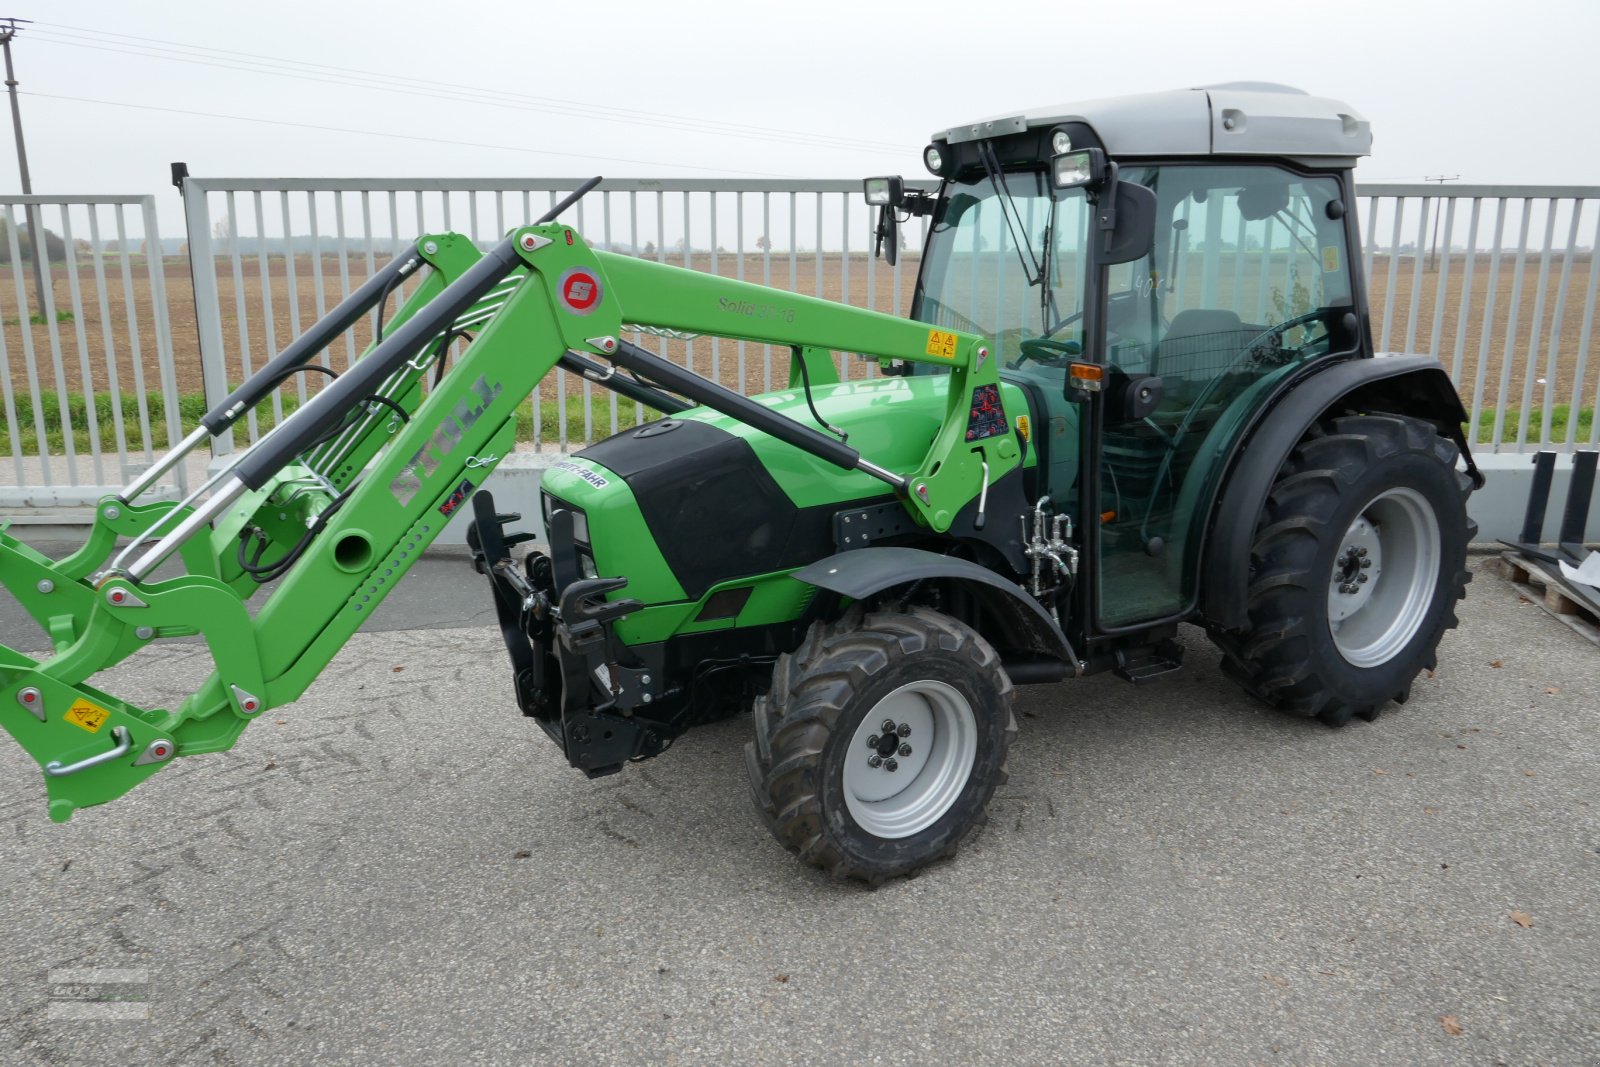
[1137,389]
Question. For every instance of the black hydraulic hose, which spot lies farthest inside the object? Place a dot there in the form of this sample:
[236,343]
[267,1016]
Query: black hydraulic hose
[671,376]
[805,380]
[366,376]
[300,351]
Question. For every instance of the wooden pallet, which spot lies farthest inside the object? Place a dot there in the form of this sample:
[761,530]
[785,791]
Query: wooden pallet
[1534,580]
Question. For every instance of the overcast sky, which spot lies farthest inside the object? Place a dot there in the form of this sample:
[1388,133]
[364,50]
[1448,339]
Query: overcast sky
[828,88]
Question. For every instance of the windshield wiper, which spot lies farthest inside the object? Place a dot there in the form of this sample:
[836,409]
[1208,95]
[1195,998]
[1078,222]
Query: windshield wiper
[1047,292]
[1019,232]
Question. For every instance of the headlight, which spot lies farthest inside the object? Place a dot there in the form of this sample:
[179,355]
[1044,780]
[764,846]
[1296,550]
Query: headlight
[1060,143]
[932,159]
[1084,167]
[883,192]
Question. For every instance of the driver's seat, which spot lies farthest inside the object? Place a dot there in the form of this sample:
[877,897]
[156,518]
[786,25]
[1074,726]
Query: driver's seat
[1200,344]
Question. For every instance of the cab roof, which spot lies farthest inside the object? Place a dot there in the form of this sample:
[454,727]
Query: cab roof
[1233,118]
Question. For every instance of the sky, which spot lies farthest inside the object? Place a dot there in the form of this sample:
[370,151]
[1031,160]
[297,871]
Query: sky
[112,92]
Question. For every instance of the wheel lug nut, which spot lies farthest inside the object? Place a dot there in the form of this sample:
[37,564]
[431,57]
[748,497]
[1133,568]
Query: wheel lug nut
[891,764]
[905,729]
[874,760]
[888,726]
[1361,577]
[1365,564]
[905,750]
[1361,551]
[872,742]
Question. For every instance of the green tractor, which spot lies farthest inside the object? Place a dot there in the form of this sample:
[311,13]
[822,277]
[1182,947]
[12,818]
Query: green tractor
[1137,389]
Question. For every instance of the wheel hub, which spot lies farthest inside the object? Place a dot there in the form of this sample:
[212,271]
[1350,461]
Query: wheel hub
[1355,570]
[890,747]
[909,759]
[1383,577]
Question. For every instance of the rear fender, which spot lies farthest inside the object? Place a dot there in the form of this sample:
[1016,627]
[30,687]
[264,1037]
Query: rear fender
[1415,386]
[864,572]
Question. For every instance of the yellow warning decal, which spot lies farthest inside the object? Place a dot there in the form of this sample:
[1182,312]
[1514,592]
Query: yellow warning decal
[87,715]
[1330,258]
[1024,427]
[941,344]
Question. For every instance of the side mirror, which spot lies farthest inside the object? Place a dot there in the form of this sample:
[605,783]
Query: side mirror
[1129,224]
[887,236]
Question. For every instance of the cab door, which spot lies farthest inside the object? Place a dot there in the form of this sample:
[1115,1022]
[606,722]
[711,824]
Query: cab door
[1248,279]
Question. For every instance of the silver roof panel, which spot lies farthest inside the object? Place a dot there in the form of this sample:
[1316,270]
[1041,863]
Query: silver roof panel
[1235,118]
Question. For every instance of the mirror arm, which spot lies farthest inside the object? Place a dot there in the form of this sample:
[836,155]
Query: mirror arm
[1106,204]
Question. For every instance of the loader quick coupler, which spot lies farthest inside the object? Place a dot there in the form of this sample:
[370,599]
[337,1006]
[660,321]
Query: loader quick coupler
[564,652]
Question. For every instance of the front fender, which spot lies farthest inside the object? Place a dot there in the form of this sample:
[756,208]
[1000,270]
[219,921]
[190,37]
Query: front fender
[864,572]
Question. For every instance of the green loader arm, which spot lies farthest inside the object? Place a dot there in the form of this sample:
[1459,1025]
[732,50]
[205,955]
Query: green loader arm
[377,463]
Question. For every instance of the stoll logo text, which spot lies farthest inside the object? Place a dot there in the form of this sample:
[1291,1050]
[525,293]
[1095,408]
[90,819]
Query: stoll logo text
[429,456]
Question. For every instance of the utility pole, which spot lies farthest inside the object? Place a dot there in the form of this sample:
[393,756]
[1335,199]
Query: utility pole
[8,30]
[1433,243]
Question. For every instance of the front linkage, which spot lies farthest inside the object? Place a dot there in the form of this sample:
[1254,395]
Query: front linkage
[342,497]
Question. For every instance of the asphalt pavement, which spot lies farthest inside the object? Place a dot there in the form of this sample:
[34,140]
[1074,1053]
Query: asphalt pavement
[401,869]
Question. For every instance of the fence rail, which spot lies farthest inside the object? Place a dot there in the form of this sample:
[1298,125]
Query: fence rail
[1497,281]
[86,347]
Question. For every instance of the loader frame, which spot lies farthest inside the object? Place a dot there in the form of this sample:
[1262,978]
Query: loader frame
[340,499]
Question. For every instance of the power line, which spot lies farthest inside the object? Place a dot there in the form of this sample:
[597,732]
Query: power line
[409,79]
[353,77]
[405,136]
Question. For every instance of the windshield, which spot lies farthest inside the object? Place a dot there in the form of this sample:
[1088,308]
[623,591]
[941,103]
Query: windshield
[1009,279]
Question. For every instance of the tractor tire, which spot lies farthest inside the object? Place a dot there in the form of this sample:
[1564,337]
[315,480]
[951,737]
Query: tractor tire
[1358,560]
[855,793]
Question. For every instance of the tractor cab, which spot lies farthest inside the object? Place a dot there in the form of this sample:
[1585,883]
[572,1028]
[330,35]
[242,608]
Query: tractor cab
[1151,270]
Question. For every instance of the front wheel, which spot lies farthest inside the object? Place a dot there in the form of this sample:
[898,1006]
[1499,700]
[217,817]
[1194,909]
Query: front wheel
[881,742]
[1358,559]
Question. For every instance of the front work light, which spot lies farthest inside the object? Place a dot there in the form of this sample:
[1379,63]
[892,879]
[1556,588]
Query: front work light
[932,159]
[884,192]
[1060,143]
[1084,167]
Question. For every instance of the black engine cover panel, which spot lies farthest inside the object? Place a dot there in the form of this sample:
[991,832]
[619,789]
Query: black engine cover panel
[712,507]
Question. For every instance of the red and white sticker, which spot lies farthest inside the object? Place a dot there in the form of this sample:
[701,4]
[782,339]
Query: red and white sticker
[580,290]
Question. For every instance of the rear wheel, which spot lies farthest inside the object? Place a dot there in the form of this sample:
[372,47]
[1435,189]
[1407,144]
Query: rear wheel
[1358,559]
[881,742]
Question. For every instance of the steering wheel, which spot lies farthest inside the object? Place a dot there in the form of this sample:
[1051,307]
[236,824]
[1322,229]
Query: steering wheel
[1068,321]
[1047,351]
[1275,332]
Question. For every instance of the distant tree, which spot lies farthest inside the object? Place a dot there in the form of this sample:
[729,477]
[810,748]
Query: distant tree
[649,248]
[82,246]
[222,229]
[54,247]
[764,243]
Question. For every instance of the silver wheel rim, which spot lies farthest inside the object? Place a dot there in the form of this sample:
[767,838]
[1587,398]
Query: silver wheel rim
[897,788]
[1384,576]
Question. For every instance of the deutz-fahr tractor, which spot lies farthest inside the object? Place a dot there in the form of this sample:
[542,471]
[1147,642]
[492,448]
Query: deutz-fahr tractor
[1136,389]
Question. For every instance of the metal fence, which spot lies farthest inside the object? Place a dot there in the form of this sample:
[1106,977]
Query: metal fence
[280,253]
[1496,281]
[89,388]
